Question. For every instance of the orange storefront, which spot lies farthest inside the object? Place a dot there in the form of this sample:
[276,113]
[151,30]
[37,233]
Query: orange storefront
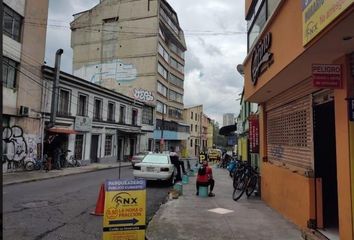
[300,69]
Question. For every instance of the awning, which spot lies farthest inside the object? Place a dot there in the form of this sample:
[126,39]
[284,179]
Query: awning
[227,130]
[62,130]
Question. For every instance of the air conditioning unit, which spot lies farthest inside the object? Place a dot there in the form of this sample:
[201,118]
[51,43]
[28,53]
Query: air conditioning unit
[24,111]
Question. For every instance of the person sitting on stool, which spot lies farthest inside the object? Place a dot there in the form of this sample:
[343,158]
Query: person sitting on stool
[205,178]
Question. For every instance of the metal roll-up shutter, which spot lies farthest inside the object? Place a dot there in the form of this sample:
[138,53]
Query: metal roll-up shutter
[290,134]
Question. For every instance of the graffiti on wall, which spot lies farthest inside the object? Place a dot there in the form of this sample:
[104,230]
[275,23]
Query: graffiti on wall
[277,152]
[143,95]
[113,70]
[18,146]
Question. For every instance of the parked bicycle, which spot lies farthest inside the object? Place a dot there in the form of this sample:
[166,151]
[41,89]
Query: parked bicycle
[72,162]
[38,164]
[245,180]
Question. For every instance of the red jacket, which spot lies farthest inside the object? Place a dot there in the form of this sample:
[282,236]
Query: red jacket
[207,176]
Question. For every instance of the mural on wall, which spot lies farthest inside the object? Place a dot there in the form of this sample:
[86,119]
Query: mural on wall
[143,95]
[113,70]
[18,146]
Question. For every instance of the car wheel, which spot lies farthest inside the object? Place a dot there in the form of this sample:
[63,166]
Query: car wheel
[171,181]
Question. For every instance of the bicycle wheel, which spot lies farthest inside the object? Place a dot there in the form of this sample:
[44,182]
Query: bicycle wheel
[239,189]
[29,166]
[251,186]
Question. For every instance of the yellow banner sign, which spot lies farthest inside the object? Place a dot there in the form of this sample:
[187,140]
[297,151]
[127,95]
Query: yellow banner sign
[125,210]
[317,14]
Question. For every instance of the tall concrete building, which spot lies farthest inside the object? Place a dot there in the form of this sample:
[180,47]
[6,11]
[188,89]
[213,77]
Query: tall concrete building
[228,119]
[23,55]
[135,48]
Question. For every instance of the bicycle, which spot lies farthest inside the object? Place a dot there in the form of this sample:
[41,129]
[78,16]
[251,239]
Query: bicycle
[37,164]
[245,180]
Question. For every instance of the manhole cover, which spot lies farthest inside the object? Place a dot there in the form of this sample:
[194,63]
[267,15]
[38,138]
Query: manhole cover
[35,204]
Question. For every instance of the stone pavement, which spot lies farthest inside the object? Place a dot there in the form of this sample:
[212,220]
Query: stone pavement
[191,217]
[29,176]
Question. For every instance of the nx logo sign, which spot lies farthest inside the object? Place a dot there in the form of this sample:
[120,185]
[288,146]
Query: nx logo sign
[261,57]
[125,199]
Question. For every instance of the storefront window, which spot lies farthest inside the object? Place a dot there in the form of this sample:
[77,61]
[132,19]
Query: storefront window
[108,145]
[79,144]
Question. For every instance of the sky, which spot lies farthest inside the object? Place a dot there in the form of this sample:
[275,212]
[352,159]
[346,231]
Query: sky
[215,33]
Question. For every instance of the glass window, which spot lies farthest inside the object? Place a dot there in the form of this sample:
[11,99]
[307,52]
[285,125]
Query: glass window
[163,53]
[97,110]
[147,115]
[191,142]
[175,80]
[108,145]
[12,23]
[111,112]
[161,89]
[174,96]
[162,71]
[191,127]
[82,106]
[272,5]
[160,107]
[177,65]
[175,113]
[122,114]
[64,102]
[9,72]
[257,26]
[135,117]
[153,158]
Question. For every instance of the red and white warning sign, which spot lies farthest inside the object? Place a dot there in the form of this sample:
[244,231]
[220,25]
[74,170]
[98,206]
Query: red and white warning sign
[327,75]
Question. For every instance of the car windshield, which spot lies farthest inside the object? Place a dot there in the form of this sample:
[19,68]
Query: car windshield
[156,159]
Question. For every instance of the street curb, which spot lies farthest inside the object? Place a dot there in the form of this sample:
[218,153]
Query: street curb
[51,177]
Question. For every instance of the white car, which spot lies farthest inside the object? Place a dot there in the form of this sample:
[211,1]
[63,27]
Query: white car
[155,167]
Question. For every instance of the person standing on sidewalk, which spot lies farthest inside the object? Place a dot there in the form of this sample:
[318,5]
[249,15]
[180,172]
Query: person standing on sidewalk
[205,178]
[175,161]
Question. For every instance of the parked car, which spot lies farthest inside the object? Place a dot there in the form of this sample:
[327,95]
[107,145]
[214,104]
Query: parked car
[138,158]
[155,167]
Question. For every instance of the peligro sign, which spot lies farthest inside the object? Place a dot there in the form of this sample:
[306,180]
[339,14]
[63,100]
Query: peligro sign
[261,57]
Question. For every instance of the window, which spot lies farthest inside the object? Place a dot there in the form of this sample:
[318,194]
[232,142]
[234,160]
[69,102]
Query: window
[122,114]
[64,102]
[148,115]
[196,128]
[176,50]
[108,145]
[162,71]
[174,96]
[196,117]
[162,35]
[160,107]
[262,11]
[161,89]
[176,65]
[163,53]
[166,16]
[191,127]
[97,110]
[79,143]
[111,112]
[175,113]
[12,23]
[82,105]
[175,80]
[192,115]
[9,70]
[135,117]
[191,142]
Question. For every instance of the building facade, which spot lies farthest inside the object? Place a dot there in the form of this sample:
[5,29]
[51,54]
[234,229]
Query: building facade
[23,56]
[228,119]
[95,124]
[193,116]
[302,77]
[135,48]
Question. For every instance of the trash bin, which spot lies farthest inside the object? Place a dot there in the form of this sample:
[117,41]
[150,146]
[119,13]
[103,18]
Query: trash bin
[185,179]
[179,188]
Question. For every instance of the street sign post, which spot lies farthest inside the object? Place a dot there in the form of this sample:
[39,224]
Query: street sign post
[125,210]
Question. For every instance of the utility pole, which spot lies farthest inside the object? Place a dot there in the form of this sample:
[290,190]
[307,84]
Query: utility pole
[162,127]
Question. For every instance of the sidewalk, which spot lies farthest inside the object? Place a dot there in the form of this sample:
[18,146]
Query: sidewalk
[190,217]
[25,176]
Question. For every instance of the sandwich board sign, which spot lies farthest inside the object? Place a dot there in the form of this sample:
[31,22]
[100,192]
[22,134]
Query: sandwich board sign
[125,210]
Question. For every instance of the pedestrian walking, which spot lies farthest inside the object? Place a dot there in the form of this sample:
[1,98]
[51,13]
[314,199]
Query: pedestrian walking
[176,162]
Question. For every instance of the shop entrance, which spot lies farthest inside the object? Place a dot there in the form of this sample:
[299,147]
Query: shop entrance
[325,166]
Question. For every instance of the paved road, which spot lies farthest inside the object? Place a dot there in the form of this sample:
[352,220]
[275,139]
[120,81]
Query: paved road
[59,208]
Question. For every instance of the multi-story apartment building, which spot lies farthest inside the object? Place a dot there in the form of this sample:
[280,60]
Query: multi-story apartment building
[193,116]
[135,48]
[300,69]
[96,124]
[23,55]
[228,119]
